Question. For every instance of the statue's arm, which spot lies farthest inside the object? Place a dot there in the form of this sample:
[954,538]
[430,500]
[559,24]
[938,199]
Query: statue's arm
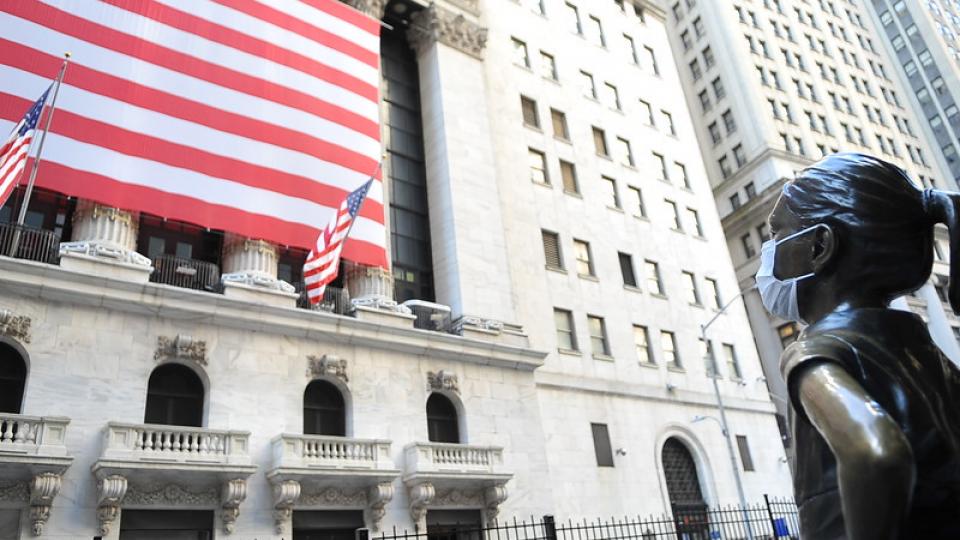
[875,466]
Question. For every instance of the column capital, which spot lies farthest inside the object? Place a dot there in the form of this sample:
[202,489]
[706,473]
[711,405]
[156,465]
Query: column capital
[373,8]
[439,24]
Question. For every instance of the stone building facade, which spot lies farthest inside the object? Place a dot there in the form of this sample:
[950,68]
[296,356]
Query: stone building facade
[555,240]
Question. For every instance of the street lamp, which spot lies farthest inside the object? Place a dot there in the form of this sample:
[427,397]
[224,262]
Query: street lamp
[724,426]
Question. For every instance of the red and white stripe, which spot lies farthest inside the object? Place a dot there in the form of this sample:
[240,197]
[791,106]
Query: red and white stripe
[253,116]
[324,259]
[13,158]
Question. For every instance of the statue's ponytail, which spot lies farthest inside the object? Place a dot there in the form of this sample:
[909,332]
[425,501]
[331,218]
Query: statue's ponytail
[943,207]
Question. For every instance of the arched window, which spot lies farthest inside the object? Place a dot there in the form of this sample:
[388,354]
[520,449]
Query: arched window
[13,377]
[442,424]
[680,471]
[174,397]
[323,410]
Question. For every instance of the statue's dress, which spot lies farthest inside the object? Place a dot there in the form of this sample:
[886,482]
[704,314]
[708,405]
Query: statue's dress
[891,355]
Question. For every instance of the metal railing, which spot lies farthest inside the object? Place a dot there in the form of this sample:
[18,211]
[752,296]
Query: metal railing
[335,300]
[32,244]
[774,519]
[185,273]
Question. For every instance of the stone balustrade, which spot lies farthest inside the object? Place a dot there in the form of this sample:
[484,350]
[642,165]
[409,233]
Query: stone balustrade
[32,435]
[323,451]
[179,444]
[426,458]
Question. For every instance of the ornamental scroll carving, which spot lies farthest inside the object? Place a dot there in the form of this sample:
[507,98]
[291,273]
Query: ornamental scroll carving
[43,489]
[110,492]
[182,347]
[15,326]
[421,496]
[327,366]
[233,493]
[438,24]
[334,496]
[443,380]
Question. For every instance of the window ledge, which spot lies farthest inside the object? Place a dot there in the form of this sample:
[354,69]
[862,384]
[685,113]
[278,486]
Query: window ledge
[615,208]
[557,270]
[676,369]
[604,357]
[551,80]
[570,352]
[696,305]
[576,194]
[605,157]
[648,365]
[533,127]
[659,295]
[547,185]
[642,217]
[588,277]
[633,288]
[562,139]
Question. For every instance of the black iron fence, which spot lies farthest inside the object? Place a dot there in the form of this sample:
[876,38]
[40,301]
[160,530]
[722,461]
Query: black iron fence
[774,519]
[185,273]
[23,242]
[335,299]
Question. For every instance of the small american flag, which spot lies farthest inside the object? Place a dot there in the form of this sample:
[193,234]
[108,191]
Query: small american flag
[13,153]
[323,262]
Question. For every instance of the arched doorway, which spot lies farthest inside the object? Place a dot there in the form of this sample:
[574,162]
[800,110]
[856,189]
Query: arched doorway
[684,490]
[442,422]
[13,378]
[324,411]
[174,397]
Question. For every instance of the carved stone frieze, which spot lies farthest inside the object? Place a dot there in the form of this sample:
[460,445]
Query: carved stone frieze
[378,496]
[442,380]
[169,494]
[233,493]
[439,24]
[478,322]
[327,366]
[15,326]
[285,495]
[421,496]
[182,347]
[334,496]
[43,489]
[373,8]
[14,492]
[110,493]
[458,497]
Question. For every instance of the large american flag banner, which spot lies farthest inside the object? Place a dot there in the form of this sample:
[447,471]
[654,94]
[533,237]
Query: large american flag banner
[323,263]
[13,151]
[253,116]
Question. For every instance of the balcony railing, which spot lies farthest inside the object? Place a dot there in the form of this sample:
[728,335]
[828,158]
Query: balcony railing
[181,444]
[23,242]
[328,452]
[431,457]
[21,434]
[186,273]
[335,300]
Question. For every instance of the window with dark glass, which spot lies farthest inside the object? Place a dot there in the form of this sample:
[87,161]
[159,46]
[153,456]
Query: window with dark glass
[324,412]
[174,397]
[626,269]
[745,458]
[13,378]
[601,445]
[442,423]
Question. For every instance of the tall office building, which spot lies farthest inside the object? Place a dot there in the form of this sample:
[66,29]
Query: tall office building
[774,85]
[554,247]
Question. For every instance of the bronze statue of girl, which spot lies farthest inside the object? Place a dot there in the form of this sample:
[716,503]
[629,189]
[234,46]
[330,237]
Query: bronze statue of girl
[876,405]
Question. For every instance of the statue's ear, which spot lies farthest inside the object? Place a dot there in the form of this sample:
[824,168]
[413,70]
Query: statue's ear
[825,247]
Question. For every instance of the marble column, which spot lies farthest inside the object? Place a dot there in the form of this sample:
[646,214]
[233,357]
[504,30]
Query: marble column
[250,272]
[104,242]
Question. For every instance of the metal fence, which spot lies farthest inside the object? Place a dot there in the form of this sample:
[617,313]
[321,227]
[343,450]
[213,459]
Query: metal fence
[335,300]
[774,519]
[23,242]
[185,273]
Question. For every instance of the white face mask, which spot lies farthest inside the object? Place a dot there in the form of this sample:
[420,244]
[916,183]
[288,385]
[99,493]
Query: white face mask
[779,296]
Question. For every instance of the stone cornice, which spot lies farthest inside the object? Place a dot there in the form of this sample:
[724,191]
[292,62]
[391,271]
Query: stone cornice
[38,281]
[439,24]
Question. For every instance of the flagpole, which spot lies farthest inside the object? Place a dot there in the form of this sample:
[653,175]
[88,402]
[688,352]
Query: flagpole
[36,162]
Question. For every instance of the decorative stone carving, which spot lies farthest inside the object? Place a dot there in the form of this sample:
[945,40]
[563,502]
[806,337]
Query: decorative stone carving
[458,497]
[170,494]
[183,347]
[43,489]
[473,6]
[285,495]
[373,8]
[493,497]
[233,493]
[14,492]
[421,495]
[478,322]
[443,380]
[327,366]
[15,326]
[334,496]
[371,287]
[102,231]
[252,263]
[438,24]
[378,497]
[110,492]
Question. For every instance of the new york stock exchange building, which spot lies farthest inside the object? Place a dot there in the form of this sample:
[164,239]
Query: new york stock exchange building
[531,346]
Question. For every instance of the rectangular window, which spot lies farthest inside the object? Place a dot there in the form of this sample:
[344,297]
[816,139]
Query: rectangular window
[598,336]
[646,113]
[586,85]
[745,459]
[682,172]
[735,201]
[641,343]
[674,213]
[538,166]
[718,90]
[652,58]
[708,59]
[531,117]
[631,49]
[714,133]
[595,32]
[695,70]
[559,121]
[566,337]
[713,293]
[626,269]
[611,97]
[690,288]
[551,250]
[709,359]
[733,365]
[600,142]
[573,19]
[668,118]
[601,445]
[668,342]
[637,201]
[520,56]
[693,217]
[584,263]
[548,66]
[610,185]
[568,173]
[728,122]
[748,248]
[739,156]
[624,152]
[654,285]
[662,165]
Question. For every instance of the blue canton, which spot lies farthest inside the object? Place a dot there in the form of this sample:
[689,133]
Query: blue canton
[33,115]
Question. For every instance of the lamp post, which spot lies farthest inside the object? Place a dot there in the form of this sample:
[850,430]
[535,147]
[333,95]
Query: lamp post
[724,426]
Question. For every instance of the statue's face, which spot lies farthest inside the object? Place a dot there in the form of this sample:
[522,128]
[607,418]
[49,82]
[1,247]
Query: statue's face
[795,256]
